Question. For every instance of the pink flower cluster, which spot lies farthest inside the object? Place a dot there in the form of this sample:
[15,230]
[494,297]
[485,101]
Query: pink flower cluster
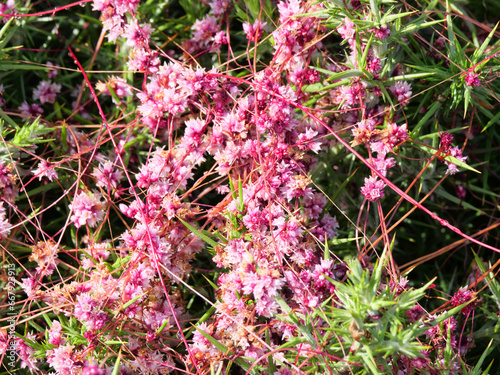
[46,92]
[87,209]
[5,226]
[456,152]
[107,175]
[373,188]
[472,79]
[44,169]
[381,142]
[463,295]
[7,7]
[119,86]
[207,35]
[440,333]
[402,91]
[8,188]
[254,32]
[113,15]
[26,353]
[272,223]
[168,92]
[30,111]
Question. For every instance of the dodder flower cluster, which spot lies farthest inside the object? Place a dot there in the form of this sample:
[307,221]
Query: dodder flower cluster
[271,225]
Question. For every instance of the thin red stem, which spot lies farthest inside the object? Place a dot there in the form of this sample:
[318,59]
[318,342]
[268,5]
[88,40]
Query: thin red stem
[53,11]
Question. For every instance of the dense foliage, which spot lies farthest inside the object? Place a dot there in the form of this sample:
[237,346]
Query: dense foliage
[276,187]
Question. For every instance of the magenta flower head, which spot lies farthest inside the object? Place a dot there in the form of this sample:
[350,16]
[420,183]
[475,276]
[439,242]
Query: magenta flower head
[382,32]
[472,79]
[402,91]
[445,141]
[44,169]
[30,110]
[456,153]
[46,92]
[373,189]
[5,226]
[88,209]
[254,32]
[462,296]
[347,30]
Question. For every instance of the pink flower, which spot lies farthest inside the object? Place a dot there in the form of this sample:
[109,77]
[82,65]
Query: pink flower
[415,313]
[61,359]
[136,36]
[373,189]
[30,110]
[84,306]
[382,164]
[5,226]
[318,276]
[135,209]
[5,8]
[45,170]
[288,9]
[220,38]
[193,133]
[254,32]
[373,65]
[223,189]
[330,225]
[88,209]
[117,84]
[231,123]
[93,369]
[457,153]
[313,205]
[235,251]
[394,135]
[46,92]
[287,231]
[306,141]
[382,32]
[8,189]
[142,60]
[219,7]
[445,141]
[471,79]
[115,26]
[205,29]
[53,70]
[253,220]
[107,176]
[264,287]
[350,95]
[27,353]
[29,284]
[347,30]
[4,341]
[439,334]
[463,296]
[87,311]
[402,91]
[55,337]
